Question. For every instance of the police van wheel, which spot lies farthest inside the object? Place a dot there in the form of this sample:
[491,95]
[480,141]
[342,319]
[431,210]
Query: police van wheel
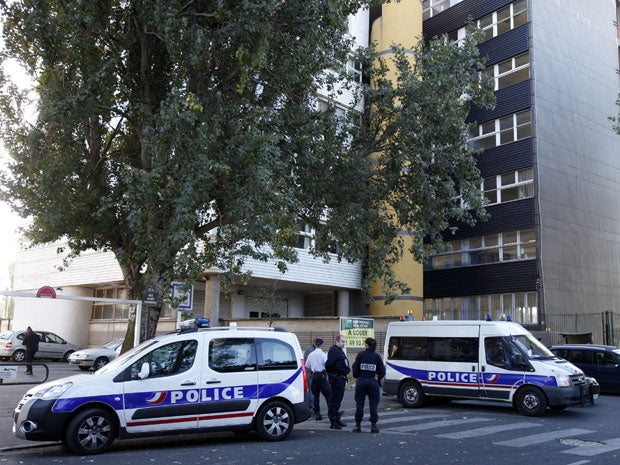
[531,401]
[90,432]
[274,421]
[411,394]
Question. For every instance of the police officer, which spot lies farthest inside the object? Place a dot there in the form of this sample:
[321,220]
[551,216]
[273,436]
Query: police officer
[337,367]
[369,370]
[316,363]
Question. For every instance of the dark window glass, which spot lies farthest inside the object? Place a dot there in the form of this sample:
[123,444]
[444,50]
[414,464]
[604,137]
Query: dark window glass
[453,349]
[581,356]
[408,348]
[275,355]
[232,355]
[167,360]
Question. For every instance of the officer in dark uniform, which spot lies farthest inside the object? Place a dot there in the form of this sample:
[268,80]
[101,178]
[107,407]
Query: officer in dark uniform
[369,370]
[337,367]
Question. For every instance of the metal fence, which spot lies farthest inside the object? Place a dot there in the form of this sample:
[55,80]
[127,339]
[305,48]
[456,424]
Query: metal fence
[604,327]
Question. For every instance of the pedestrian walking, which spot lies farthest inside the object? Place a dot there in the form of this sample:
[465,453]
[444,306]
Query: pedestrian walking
[320,385]
[31,341]
[337,367]
[369,370]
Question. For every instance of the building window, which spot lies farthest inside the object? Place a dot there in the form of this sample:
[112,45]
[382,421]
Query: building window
[492,248]
[501,131]
[508,187]
[110,310]
[503,20]
[431,8]
[116,311]
[511,71]
[521,307]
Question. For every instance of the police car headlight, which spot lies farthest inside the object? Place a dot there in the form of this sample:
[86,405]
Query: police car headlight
[53,392]
[563,380]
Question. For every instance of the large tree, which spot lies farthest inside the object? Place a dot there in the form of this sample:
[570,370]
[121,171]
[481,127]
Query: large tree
[186,135]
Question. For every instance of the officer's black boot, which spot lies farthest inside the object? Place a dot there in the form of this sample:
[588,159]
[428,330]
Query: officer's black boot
[335,425]
[373,428]
[358,427]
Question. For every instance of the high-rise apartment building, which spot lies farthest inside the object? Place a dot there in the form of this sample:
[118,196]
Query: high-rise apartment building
[551,165]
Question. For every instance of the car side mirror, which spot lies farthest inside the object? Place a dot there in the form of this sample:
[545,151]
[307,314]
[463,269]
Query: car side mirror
[145,371]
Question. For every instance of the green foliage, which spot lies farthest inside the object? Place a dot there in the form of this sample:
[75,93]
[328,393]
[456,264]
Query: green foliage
[616,119]
[184,136]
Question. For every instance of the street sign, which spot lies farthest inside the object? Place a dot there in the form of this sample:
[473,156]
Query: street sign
[184,296]
[356,330]
[151,298]
[46,292]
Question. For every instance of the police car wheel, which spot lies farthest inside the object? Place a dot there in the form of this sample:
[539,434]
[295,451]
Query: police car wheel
[531,401]
[90,432]
[100,362]
[411,394]
[65,357]
[274,421]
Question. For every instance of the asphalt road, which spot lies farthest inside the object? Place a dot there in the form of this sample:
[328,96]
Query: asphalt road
[461,432]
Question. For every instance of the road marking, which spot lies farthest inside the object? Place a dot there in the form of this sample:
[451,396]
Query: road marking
[471,433]
[543,437]
[438,424]
[595,449]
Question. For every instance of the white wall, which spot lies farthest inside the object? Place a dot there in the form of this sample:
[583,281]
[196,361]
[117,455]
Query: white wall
[67,318]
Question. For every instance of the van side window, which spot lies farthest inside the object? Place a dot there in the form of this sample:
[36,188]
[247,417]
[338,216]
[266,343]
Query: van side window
[453,349]
[440,349]
[232,355]
[167,360]
[408,348]
[275,355]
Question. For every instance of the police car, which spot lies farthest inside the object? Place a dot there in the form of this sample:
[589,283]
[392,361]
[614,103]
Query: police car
[237,379]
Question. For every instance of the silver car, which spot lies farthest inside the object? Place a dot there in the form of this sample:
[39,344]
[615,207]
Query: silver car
[96,357]
[51,346]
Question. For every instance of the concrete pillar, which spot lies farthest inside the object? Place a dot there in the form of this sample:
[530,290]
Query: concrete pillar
[343,303]
[212,299]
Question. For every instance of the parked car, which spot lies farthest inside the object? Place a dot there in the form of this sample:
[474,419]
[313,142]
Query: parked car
[598,361]
[96,357]
[51,346]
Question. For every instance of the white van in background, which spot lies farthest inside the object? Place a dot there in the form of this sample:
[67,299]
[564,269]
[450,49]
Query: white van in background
[483,360]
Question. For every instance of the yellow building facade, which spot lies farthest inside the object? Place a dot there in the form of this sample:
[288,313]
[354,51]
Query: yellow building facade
[400,23]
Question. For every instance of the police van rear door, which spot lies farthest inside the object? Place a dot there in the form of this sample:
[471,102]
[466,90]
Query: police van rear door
[166,396]
[229,385]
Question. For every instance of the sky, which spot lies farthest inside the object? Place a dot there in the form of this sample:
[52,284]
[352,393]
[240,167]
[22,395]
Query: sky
[10,222]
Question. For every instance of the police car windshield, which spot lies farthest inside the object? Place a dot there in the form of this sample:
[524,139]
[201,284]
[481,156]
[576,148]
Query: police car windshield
[531,347]
[120,360]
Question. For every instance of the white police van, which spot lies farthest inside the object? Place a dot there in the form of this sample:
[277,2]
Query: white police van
[236,379]
[484,360]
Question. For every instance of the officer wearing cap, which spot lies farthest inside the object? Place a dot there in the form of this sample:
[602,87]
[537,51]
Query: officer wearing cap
[368,369]
[320,385]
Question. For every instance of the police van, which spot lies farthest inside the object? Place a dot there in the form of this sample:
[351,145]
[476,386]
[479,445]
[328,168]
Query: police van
[237,379]
[484,360]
